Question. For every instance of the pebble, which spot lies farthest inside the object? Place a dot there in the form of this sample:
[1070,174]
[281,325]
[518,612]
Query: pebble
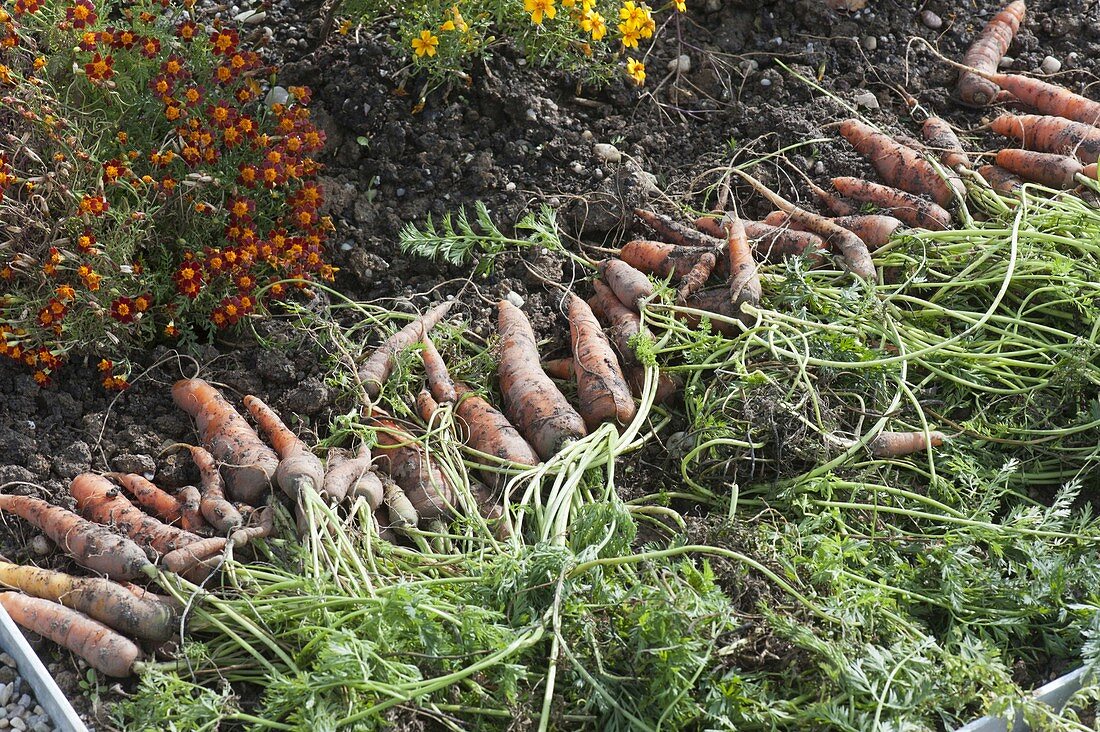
[532,115]
[869,43]
[515,298]
[1006,62]
[765,82]
[607,153]
[251,17]
[866,100]
[931,20]
[681,64]
[41,546]
[1051,65]
[510,187]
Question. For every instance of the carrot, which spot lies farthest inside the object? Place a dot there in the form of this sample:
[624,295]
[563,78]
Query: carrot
[1050,135]
[443,389]
[602,392]
[353,477]
[667,385]
[264,527]
[188,557]
[939,135]
[628,284]
[1090,171]
[622,323]
[106,601]
[694,280]
[1044,97]
[744,276]
[874,229]
[780,218]
[101,501]
[191,518]
[298,467]
[1056,171]
[376,369]
[220,513]
[985,54]
[896,444]
[105,650]
[531,401]
[715,300]
[1000,180]
[426,405]
[249,463]
[399,508]
[676,233]
[487,430]
[852,249]
[912,210]
[402,458]
[831,201]
[491,509]
[900,166]
[711,225]
[662,259]
[775,243]
[162,504]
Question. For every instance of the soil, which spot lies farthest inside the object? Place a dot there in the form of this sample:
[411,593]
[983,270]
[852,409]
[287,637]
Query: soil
[516,137]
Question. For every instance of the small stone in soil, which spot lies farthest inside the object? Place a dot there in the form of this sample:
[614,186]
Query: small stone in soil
[681,64]
[866,99]
[607,153]
[931,20]
[1051,65]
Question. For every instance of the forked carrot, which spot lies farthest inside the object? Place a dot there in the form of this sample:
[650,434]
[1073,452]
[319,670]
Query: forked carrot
[898,165]
[249,463]
[264,526]
[874,229]
[912,210]
[602,392]
[662,259]
[623,324]
[376,369]
[102,501]
[986,52]
[183,560]
[160,503]
[92,545]
[694,280]
[776,243]
[403,458]
[299,469]
[353,477]
[1048,169]
[897,444]
[220,513]
[744,274]
[105,650]
[1044,97]
[1050,135]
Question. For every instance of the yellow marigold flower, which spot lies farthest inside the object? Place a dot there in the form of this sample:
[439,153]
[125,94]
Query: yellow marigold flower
[425,44]
[681,5]
[448,25]
[540,9]
[631,13]
[345,27]
[459,21]
[40,63]
[594,23]
[636,71]
[647,27]
[630,35]
[5,74]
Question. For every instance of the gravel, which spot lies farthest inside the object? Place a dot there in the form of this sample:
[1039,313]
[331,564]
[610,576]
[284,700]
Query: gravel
[19,710]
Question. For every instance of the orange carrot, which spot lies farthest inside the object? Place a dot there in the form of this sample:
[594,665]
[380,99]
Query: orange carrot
[426,405]
[711,225]
[628,284]
[874,229]
[531,401]
[487,430]
[402,458]
[353,477]
[1048,98]
[602,392]
[298,467]
[221,514]
[744,275]
[101,599]
[897,444]
[676,233]
[187,558]
[376,369]
[667,385]
[1000,180]
[662,259]
[1050,135]
[831,201]
[1089,171]
[622,323]
[443,389]
[912,210]
[780,218]
[191,518]
[851,248]
[1048,169]
[163,505]
[776,243]
[939,135]
[249,463]
[898,165]
[105,650]
[694,280]
[716,300]
[264,526]
[91,545]
[985,54]
[101,501]
[560,368]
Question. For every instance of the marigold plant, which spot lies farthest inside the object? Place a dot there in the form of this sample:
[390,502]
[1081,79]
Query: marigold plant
[146,190]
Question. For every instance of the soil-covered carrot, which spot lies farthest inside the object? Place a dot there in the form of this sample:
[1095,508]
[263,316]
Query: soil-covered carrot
[249,463]
[263,526]
[628,284]
[985,54]
[188,557]
[1001,180]
[602,392]
[102,501]
[667,385]
[711,225]
[694,280]
[1090,171]
[715,300]
[486,430]
[1050,135]
[897,444]
[443,389]
[676,233]
[900,166]
[910,209]
[104,600]
[1048,169]
[939,135]
[105,650]
[403,458]
[663,259]
[834,203]
[221,514]
[622,323]
[160,503]
[376,369]
[744,274]
[776,243]
[399,508]
[191,518]
[874,229]
[426,405]
[91,545]
[353,476]
[531,401]
[852,250]
[1047,98]
[298,467]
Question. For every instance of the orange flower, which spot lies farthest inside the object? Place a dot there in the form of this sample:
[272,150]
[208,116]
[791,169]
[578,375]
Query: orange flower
[100,68]
[89,277]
